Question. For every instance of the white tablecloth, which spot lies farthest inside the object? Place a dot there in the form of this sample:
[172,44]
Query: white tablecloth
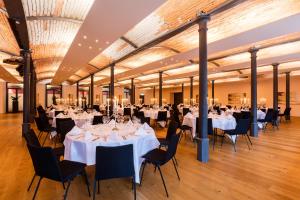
[82,149]
[153,113]
[79,119]
[220,122]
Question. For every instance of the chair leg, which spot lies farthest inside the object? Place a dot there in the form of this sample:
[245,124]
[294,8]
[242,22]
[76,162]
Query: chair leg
[45,138]
[36,189]
[233,143]
[134,187]
[162,178]
[249,139]
[144,165]
[39,135]
[67,189]
[175,161]
[246,141]
[94,191]
[176,169]
[31,183]
[63,184]
[87,182]
[223,136]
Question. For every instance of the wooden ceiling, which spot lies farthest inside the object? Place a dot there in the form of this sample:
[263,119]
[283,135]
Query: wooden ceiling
[53,25]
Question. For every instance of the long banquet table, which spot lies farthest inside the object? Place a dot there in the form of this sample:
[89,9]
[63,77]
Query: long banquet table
[80,143]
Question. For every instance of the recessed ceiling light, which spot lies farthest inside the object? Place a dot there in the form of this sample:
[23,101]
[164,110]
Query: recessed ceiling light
[85,37]
[107,42]
[100,49]
[90,47]
[79,44]
[96,41]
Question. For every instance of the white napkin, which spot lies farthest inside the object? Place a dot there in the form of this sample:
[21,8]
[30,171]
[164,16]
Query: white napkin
[146,126]
[60,115]
[75,131]
[112,122]
[129,124]
[113,136]
[88,135]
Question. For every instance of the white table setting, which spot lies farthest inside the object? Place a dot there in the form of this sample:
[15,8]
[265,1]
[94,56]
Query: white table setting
[80,143]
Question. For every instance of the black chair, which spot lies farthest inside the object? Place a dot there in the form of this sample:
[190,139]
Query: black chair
[242,128]
[246,115]
[268,119]
[237,116]
[275,118]
[286,114]
[96,107]
[43,127]
[172,129]
[229,106]
[114,162]
[185,111]
[167,108]
[47,166]
[161,117]
[210,129]
[63,126]
[264,110]
[143,119]
[127,112]
[98,120]
[33,140]
[159,157]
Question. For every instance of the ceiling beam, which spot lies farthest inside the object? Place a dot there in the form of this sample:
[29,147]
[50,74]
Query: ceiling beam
[56,18]
[129,42]
[168,48]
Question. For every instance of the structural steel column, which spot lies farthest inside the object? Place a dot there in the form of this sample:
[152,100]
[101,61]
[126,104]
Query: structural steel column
[203,142]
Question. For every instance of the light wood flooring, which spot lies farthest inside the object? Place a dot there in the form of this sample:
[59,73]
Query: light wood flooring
[270,170]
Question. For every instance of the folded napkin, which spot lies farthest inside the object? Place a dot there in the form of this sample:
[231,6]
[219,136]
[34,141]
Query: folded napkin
[75,131]
[114,136]
[129,124]
[145,126]
[112,122]
[60,115]
[189,115]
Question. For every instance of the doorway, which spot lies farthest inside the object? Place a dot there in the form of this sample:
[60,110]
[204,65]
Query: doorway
[177,98]
[14,98]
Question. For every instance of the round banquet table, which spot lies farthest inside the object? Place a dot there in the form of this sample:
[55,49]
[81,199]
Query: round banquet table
[81,147]
[79,119]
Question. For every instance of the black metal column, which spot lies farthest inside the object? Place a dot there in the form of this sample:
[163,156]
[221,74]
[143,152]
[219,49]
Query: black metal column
[92,91]
[213,91]
[287,92]
[191,90]
[203,142]
[77,94]
[160,88]
[34,90]
[275,86]
[254,127]
[182,91]
[153,91]
[31,118]
[132,95]
[26,88]
[112,85]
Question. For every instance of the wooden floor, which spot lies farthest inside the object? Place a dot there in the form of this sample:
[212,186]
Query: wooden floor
[271,170]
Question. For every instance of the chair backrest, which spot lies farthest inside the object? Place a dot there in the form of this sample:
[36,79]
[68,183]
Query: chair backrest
[246,114]
[98,120]
[185,111]
[237,116]
[173,125]
[287,111]
[96,107]
[263,109]
[162,116]
[44,162]
[172,146]
[39,123]
[275,114]
[229,106]
[210,129]
[31,138]
[140,115]
[269,115]
[175,116]
[114,162]
[127,111]
[242,127]
[63,126]
[167,108]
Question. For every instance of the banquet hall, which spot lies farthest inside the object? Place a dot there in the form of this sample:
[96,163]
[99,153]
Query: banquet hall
[160,99]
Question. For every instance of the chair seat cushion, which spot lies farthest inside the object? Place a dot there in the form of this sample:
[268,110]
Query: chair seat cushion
[230,132]
[70,169]
[59,151]
[156,156]
[185,127]
[163,141]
